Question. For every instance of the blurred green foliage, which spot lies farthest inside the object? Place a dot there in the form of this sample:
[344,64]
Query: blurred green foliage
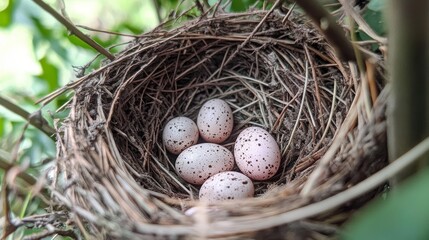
[6,16]
[241,5]
[404,215]
[377,5]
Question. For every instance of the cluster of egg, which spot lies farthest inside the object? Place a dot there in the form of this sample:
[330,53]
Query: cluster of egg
[209,164]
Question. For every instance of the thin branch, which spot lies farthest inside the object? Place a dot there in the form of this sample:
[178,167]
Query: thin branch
[8,226]
[304,92]
[107,32]
[199,6]
[6,164]
[330,29]
[49,232]
[34,119]
[321,168]
[73,29]
[289,13]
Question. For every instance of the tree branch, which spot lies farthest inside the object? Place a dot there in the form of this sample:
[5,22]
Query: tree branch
[34,119]
[327,25]
[5,164]
[73,29]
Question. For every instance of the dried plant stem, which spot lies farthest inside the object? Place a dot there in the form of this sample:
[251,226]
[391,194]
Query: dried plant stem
[331,114]
[73,29]
[301,106]
[106,32]
[314,178]
[252,34]
[44,234]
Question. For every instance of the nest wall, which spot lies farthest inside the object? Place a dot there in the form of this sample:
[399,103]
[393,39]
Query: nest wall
[275,71]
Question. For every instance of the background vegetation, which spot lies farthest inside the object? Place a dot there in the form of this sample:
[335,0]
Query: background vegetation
[38,56]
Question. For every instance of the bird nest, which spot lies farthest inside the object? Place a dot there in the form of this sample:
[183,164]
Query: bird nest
[277,72]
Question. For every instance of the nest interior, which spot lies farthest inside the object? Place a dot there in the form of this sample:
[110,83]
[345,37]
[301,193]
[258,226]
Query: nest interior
[275,71]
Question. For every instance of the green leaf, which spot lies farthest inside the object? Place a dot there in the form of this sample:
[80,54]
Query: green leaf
[2,123]
[377,5]
[61,114]
[44,32]
[25,205]
[40,147]
[31,231]
[130,27]
[6,12]
[227,8]
[241,5]
[403,215]
[43,35]
[376,21]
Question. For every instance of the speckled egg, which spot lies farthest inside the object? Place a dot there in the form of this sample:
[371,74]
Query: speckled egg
[197,163]
[179,133]
[225,186]
[215,121]
[257,153]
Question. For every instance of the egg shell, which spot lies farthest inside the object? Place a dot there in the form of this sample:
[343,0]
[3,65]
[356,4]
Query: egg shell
[226,186]
[179,133]
[257,154]
[215,121]
[197,163]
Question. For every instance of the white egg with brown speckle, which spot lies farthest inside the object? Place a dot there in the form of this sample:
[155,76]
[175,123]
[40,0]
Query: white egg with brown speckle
[199,162]
[226,186]
[215,121]
[257,153]
[179,133]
